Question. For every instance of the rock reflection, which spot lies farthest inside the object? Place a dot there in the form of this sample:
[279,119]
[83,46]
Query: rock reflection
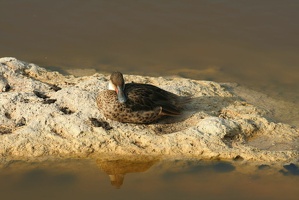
[290,169]
[197,167]
[223,167]
[117,169]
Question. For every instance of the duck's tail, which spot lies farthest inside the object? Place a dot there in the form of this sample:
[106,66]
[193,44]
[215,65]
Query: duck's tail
[177,105]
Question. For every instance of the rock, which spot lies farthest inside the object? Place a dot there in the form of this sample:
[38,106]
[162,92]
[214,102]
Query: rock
[46,114]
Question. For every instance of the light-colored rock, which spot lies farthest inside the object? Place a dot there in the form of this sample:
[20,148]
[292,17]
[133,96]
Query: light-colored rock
[45,114]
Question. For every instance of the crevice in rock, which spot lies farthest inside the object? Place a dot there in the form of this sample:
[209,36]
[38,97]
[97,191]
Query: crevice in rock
[45,97]
[6,88]
[7,115]
[238,158]
[66,110]
[40,94]
[21,122]
[100,123]
[49,101]
[25,100]
[55,88]
[5,130]
[58,133]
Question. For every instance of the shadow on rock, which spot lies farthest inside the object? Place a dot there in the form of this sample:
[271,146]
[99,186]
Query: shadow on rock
[198,108]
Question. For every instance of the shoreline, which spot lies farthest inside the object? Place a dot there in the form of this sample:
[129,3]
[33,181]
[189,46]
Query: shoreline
[46,114]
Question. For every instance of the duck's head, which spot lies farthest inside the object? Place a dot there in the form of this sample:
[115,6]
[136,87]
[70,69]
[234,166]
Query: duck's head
[117,83]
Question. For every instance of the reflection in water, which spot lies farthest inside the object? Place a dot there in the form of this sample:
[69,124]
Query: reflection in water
[201,168]
[117,169]
[223,167]
[42,178]
[148,179]
[290,170]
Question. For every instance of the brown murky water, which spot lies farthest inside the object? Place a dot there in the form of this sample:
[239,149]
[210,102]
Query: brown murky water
[151,179]
[254,43]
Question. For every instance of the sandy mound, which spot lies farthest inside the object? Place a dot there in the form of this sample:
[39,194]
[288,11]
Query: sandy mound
[46,114]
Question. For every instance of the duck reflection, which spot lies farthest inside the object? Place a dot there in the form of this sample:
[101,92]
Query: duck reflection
[117,169]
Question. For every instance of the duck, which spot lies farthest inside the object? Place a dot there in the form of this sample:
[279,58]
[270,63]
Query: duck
[137,102]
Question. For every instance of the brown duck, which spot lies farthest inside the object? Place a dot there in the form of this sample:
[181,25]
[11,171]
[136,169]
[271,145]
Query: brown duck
[136,102]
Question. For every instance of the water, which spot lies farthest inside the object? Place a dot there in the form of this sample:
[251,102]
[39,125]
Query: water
[254,43]
[151,179]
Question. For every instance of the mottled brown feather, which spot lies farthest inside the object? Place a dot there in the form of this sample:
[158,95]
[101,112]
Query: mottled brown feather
[145,103]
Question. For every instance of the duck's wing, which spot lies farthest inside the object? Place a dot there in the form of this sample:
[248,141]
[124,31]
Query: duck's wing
[148,97]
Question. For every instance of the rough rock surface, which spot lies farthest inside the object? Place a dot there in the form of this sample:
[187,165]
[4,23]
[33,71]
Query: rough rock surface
[46,114]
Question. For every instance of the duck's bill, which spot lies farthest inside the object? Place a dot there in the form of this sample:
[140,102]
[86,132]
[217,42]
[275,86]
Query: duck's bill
[121,95]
